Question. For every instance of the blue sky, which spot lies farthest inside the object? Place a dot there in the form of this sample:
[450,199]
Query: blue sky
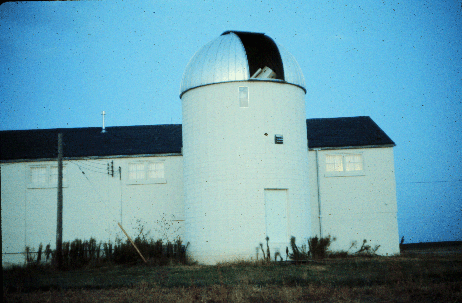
[399,62]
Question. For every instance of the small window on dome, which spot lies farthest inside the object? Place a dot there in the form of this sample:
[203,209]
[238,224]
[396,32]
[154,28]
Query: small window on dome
[243,96]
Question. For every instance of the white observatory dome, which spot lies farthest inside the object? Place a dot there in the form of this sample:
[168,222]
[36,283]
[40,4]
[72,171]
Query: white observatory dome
[238,56]
[245,149]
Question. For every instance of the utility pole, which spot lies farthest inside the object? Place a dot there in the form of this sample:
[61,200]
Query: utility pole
[59,228]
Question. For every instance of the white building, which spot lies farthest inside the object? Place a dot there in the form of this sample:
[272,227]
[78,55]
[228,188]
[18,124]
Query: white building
[244,165]
[244,148]
[352,184]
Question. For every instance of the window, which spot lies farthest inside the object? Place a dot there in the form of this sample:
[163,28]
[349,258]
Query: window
[39,175]
[54,174]
[334,163]
[145,172]
[243,96]
[45,176]
[156,170]
[344,165]
[354,162]
[136,171]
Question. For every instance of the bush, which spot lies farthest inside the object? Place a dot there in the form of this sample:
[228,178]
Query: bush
[317,249]
[367,250]
[155,252]
[78,253]
[298,254]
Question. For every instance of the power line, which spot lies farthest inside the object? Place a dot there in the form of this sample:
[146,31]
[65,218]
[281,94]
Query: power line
[93,168]
[95,163]
[427,182]
[88,169]
[91,163]
[83,173]
[100,198]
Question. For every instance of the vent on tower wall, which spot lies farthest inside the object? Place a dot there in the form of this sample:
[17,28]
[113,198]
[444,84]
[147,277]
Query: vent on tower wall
[278,139]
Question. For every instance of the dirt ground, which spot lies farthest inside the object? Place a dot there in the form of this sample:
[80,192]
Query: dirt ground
[420,274]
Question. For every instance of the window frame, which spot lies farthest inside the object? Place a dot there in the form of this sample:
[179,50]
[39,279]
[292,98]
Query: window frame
[51,181]
[146,168]
[344,172]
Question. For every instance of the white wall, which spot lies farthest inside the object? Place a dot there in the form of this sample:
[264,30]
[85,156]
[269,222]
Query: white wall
[93,203]
[357,206]
[230,158]
[353,208]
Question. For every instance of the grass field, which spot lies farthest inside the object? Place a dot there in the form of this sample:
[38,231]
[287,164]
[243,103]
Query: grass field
[418,275]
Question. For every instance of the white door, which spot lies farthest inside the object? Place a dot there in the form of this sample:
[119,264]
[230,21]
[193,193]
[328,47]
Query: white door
[276,215]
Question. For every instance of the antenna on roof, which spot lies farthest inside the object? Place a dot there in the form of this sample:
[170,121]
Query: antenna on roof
[104,128]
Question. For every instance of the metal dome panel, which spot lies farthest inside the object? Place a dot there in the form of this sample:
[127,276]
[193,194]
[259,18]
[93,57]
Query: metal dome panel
[292,71]
[226,59]
[221,60]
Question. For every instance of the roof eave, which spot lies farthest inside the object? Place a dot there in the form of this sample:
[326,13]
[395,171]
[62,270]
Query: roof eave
[351,147]
[93,157]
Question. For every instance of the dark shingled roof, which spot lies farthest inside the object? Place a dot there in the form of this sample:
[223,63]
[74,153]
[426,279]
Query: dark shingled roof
[85,142]
[345,132]
[166,139]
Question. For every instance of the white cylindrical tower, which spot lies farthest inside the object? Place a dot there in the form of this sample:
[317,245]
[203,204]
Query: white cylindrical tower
[245,151]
